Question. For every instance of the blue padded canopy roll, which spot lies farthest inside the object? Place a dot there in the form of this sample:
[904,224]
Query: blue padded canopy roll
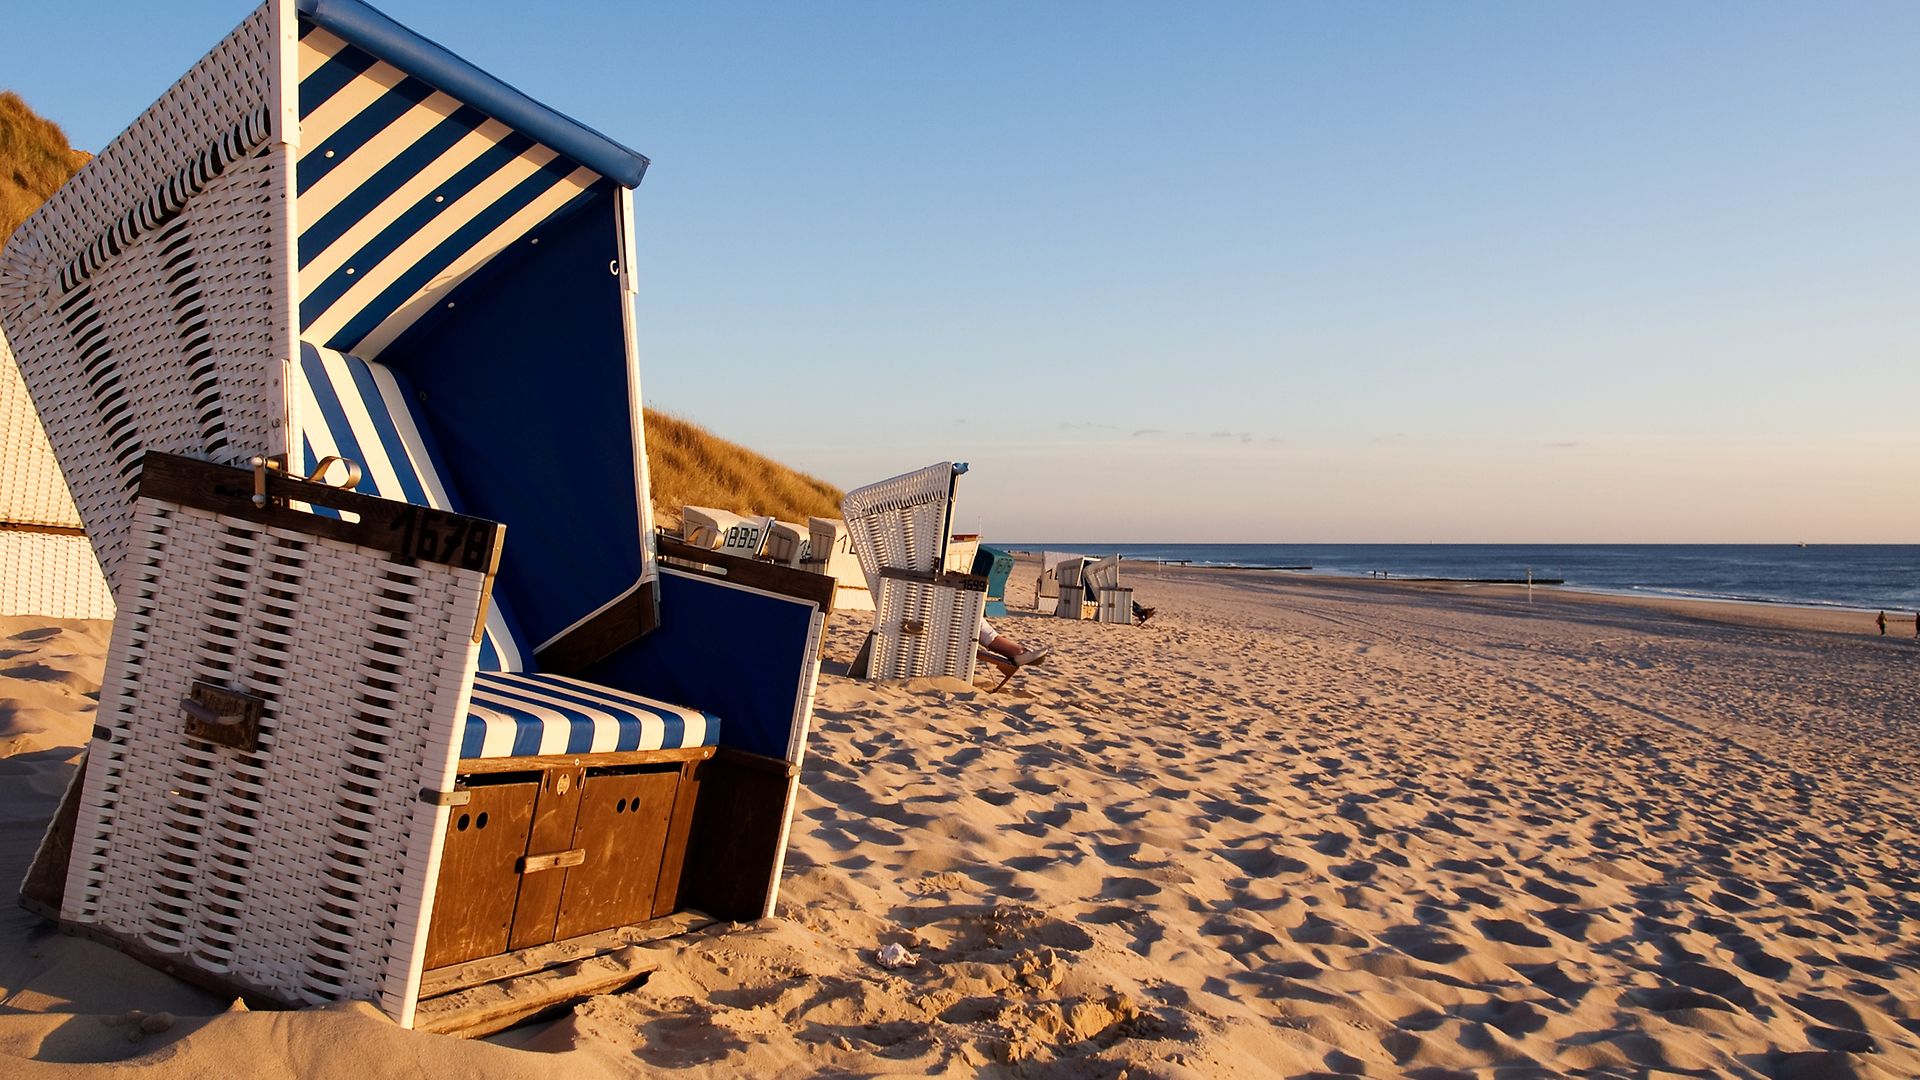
[432,63]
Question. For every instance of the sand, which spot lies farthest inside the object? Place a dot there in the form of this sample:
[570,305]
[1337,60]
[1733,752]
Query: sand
[1291,827]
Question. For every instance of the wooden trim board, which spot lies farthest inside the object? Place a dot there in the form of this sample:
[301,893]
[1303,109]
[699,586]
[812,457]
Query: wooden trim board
[540,763]
[484,996]
[410,533]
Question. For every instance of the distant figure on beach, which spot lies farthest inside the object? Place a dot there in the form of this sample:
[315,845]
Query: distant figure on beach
[1916,626]
[1882,620]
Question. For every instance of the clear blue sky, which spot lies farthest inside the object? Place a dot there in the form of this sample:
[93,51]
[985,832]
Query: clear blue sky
[1287,272]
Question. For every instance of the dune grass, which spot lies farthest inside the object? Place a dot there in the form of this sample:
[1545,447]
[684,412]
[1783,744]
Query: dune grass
[691,466]
[34,161]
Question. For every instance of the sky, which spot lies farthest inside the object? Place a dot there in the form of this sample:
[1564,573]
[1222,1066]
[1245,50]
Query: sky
[1241,272]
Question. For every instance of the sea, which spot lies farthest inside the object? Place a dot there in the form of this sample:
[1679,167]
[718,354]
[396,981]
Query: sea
[1859,576]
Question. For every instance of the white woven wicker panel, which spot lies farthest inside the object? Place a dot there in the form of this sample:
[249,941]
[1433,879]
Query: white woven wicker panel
[149,299]
[34,492]
[173,345]
[1103,573]
[232,84]
[305,868]
[1116,606]
[1071,603]
[54,576]
[900,522]
[949,621]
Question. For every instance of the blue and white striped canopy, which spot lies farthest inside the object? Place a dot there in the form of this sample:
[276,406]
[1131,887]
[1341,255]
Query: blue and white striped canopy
[404,193]
[471,245]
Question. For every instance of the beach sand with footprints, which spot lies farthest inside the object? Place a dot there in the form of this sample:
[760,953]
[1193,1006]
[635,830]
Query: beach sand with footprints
[1292,826]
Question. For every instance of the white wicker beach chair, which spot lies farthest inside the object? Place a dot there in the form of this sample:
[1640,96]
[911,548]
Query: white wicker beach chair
[724,530]
[927,620]
[46,564]
[1046,587]
[787,544]
[830,552]
[1073,597]
[1112,602]
[353,743]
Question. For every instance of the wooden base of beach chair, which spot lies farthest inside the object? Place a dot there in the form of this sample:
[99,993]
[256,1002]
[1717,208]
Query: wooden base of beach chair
[541,850]
[485,996]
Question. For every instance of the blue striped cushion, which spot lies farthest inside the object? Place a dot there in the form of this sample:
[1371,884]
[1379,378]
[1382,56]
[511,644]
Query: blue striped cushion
[516,715]
[364,412]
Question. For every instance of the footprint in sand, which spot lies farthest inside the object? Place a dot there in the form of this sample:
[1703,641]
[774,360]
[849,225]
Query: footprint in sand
[1509,932]
[1262,862]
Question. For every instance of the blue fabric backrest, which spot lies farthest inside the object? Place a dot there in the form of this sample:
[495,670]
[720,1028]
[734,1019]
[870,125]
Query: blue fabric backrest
[524,381]
[743,654]
[365,412]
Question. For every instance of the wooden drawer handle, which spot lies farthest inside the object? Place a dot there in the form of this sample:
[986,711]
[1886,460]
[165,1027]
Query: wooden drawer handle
[531,864]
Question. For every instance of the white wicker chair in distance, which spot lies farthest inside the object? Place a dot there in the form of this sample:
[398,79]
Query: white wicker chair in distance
[358,744]
[724,530]
[927,619]
[1113,601]
[787,544]
[46,564]
[830,552]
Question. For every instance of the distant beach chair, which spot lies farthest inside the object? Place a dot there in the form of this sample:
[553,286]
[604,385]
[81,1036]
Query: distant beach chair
[927,618]
[787,544]
[724,531]
[830,552]
[47,566]
[1046,587]
[996,565]
[1073,598]
[961,551]
[1112,602]
[351,742]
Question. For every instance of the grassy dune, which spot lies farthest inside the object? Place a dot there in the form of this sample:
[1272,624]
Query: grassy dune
[34,161]
[693,467]
[690,465]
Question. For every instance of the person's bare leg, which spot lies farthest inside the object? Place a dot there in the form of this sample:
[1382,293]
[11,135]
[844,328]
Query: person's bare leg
[1017,653]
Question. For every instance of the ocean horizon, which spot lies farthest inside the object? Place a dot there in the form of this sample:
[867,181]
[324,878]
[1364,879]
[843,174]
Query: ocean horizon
[1866,577]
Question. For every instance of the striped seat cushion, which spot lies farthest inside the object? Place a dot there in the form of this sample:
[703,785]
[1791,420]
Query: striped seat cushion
[516,715]
[364,412]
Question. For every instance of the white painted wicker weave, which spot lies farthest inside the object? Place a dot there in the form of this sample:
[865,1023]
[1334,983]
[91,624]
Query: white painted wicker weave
[926,628]
[902,522]
[830,552]
[1102,573]
[305,869]
[154,290]
[46,564]
[1113,604]
[787,543]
